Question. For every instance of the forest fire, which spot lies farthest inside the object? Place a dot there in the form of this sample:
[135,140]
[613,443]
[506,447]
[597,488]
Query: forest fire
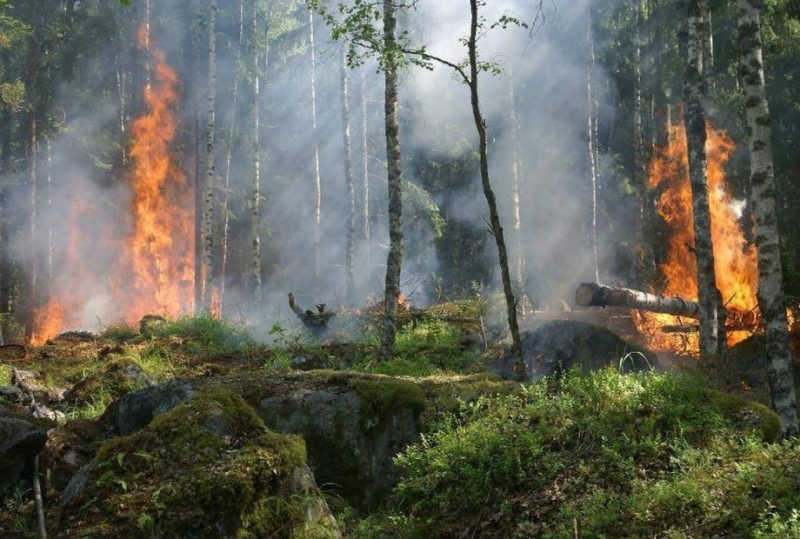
[734,258]
[143,262]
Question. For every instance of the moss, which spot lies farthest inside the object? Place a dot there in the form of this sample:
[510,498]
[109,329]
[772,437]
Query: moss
[207,468]
[749,415]
[380,395]
[117,378]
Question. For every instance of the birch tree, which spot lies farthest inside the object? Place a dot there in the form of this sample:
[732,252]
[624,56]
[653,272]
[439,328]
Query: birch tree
[312,51]
[255,186]
[591,140]
[208,196]
[762,179]
[349,180]
[224,240]
[712,327]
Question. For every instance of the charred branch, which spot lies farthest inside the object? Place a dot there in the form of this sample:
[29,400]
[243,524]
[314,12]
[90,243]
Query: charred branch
[317,320]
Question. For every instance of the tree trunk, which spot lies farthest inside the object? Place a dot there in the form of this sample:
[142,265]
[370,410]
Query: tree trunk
[210,173]
[197,141]
[365,164]
[48,207]
[315,148]
[394,180]
[516,194]
[31,146]
[590,117]
[494,217]
[712,332]
[762,179]
[229,154]
[646,260]
[708,51]
[255,187]
[348,180]
[597,295]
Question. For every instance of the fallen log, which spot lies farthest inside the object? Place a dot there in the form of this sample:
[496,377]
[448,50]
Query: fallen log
[597,295]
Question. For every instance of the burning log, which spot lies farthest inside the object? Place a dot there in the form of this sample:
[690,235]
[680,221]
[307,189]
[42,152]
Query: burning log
[315,321]
[597,295]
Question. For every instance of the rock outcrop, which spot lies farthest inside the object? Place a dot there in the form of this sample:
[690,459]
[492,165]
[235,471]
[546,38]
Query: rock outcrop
[207,468]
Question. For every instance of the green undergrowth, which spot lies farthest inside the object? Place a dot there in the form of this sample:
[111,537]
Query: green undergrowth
[203,333]
[427,346]
[611,455]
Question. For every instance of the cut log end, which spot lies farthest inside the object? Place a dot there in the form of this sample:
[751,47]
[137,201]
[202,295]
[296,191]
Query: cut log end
[585,294]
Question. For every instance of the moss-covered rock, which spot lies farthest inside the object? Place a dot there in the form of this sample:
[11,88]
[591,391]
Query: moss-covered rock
[207,468]
[353,424]
[120,376]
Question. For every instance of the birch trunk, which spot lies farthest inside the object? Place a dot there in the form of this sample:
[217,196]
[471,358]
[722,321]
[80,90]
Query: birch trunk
[708,51]
[712,332]
[255,187]
[348,180]
[394,180]
[365,163]
[197,143]
[48,206]
[229,154]
[590,117]
[315,147]
[494,218]
[31,147]
[762,180]
[516,194]
[208,197]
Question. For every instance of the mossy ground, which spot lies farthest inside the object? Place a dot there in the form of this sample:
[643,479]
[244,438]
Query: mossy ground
[662,453]
[207,468]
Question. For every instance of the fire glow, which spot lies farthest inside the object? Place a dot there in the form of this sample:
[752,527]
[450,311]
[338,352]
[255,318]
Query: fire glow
[735,262]
[150,248]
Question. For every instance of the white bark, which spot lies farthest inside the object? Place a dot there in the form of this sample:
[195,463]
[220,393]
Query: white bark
[255,199]
[208,196]
[762,179]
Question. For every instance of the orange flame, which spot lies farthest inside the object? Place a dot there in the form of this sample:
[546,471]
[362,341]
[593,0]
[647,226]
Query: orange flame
[735,262]
[151,269]
[159,252]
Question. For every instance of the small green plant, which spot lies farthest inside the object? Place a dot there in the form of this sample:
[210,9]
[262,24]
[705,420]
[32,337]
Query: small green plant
[145,522]
[5,374]
[120,332]
[772,525]
[204,333]
[285,343]
[661,452]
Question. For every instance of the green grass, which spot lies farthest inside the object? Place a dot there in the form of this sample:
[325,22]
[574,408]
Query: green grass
[5,374]
[425,347]
[204,334]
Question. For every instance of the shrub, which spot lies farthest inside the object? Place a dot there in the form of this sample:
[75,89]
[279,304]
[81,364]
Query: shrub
[659,453]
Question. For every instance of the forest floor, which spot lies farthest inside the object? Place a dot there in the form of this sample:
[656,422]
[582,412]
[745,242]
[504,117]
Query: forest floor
[658,454]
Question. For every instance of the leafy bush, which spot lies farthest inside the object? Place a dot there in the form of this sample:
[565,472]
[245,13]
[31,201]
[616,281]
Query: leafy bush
[615,455]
